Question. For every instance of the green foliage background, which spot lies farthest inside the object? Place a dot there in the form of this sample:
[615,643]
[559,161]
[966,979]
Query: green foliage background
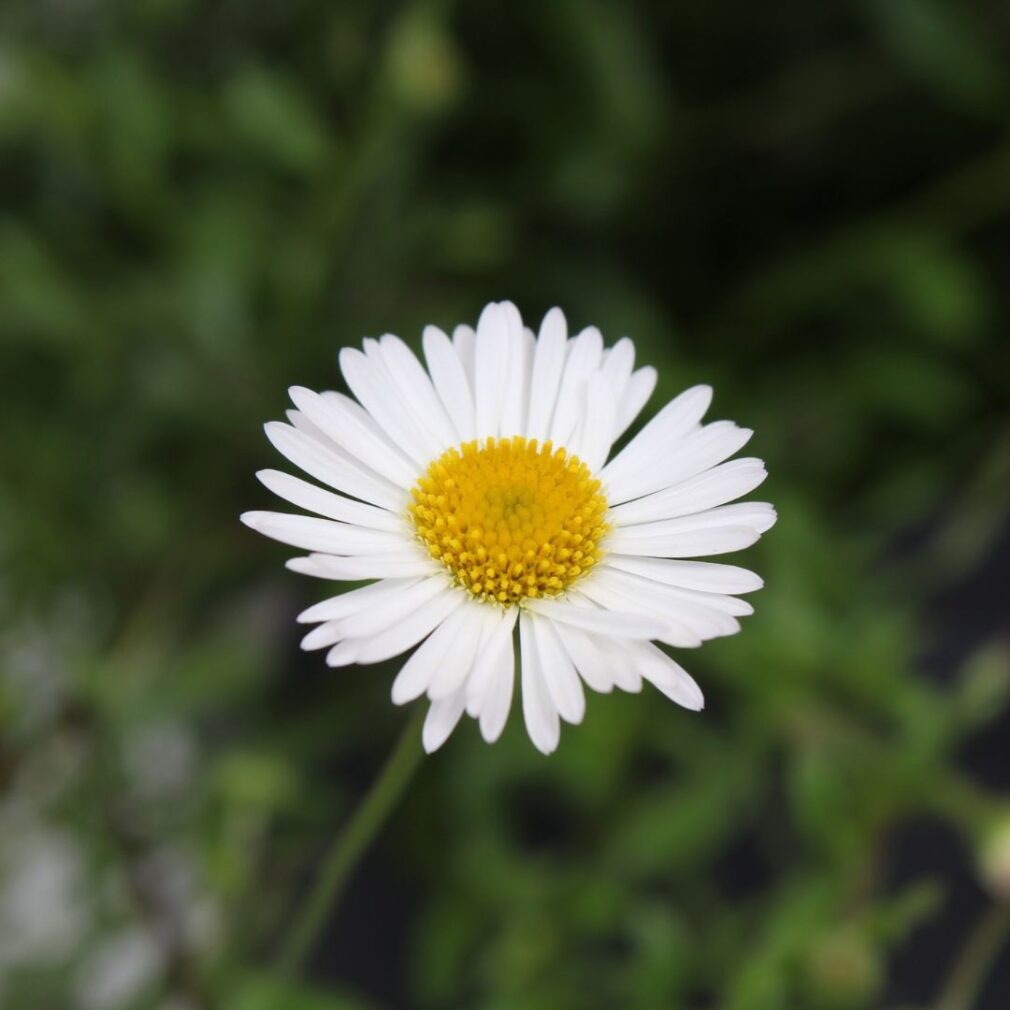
[807,205]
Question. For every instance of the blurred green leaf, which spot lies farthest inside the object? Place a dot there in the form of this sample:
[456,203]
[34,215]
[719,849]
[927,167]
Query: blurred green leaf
[264,992]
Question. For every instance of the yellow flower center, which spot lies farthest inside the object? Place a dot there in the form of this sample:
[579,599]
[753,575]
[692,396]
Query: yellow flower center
[510,519]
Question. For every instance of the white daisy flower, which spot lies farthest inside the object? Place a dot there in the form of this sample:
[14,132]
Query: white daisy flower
[477,498]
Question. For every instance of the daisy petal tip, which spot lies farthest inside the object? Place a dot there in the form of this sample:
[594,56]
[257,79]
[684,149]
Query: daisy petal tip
[251,519]
[401,695]
[488,314]
[433,736]
[311,615]
[691,696]
[431,743]
[341,655]
[271,479]
[764,518]
[491,734]
[300,395]
[432,339]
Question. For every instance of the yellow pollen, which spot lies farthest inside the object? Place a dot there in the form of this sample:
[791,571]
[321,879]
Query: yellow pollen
[510,519]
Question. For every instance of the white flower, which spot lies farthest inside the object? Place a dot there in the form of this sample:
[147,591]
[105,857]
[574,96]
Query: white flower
[477,495]
[118,970]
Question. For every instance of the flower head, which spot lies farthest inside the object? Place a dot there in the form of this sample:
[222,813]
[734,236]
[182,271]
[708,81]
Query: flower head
[476,497]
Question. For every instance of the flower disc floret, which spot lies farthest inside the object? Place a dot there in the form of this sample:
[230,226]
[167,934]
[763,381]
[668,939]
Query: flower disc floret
[510,519]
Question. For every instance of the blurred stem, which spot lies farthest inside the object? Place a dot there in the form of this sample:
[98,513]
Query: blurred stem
[351,843]
[976,957]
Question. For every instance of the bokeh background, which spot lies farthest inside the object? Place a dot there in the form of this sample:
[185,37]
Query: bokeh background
[807,205]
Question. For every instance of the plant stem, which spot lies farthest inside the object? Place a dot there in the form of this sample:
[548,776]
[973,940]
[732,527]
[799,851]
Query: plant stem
[350,844]
[972,965]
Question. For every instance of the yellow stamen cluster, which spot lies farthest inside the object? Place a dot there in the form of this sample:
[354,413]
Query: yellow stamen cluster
[509,518]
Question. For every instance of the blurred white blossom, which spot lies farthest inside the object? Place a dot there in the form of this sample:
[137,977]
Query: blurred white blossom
[43,913]
[160,760]
[118,970]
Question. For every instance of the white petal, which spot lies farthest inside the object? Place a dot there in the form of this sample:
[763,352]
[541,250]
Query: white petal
[419,397]
[583,614]
[354,408]
[393,608]
[342,654]
[591,660]
[320,637]
[496,637]
[545,378]
[618,361]
[626,677]
[417,673]
[410,630]
[370,382]
[717,601]
[702,620]
[451,382]
[669,677]
[516,393]
[353,601]
[497,700]
[441,720]
[403,564]
[694,544]
[622,658]
[758,515]
[491,368]
[661,467]
[673,594]
[345,426]
[538,710]
[596,430]
[334,468]
[635,396]
[472,618]
[706,576]
[298,420]
[660,435]
[671,628]
[559,674]
[324,503]
[583,359]
[463,340]
[721,484]
[324,535]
